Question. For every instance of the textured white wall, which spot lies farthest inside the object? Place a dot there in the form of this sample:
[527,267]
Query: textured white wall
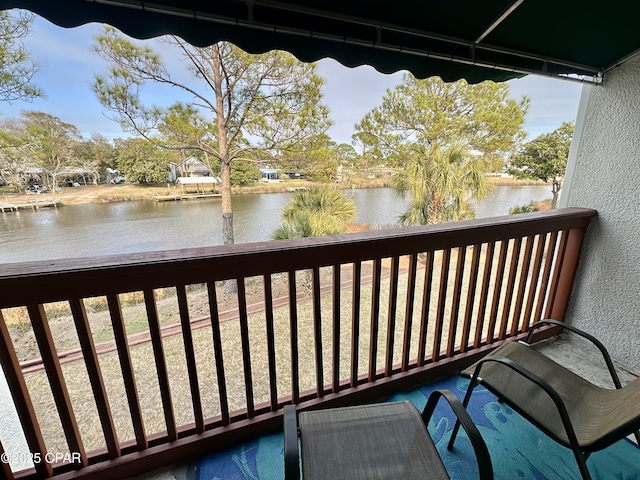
[606,297]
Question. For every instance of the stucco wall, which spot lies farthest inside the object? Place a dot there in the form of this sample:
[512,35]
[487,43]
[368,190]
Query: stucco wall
[606,297]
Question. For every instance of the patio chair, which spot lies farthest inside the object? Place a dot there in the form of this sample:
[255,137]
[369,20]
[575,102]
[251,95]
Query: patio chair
[379,441]
[568,408]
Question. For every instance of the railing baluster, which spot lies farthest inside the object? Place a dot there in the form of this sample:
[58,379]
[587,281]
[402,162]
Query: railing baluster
[497,291]
[149,272]
[471,297]
[217,352]
[355,321]
[128,377]
[484,293]
[534,285]
[375,312]
[56,380]
[161,365]
[192,370]
[546,274]
[565,265]
[95,376]
[511,282]
[455,302]
[391,318]
[524,273]
[317,332]
[559,259]
[336,329]
[22,399]
[293,326]
[246,347]
[426,306]
[271,341]
[442,303]
[408,314]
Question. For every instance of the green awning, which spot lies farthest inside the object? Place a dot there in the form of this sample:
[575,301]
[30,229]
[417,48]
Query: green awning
[475,40]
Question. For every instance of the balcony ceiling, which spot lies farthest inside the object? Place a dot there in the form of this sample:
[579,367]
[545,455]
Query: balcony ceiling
[453,39]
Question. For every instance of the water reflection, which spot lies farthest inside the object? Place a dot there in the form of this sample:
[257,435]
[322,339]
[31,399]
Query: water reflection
[103,229]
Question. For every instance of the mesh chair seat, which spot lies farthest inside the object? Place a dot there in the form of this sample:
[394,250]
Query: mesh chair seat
[386,440]
[599,416]
[380,441]
[570,409]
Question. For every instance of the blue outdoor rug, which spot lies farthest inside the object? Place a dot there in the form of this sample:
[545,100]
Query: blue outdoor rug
[518,450]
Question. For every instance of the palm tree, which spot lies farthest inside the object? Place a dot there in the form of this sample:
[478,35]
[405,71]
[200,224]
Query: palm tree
[321,210]
[523,209]
[442,185]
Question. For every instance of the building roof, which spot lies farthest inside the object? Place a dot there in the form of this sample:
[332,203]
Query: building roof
[198,180]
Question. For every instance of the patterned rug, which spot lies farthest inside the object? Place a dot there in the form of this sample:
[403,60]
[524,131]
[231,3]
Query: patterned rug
[518,450]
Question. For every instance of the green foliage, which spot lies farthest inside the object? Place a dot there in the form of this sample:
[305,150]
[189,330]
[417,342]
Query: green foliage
[97,152]
[242,103]
[320,159]
[493,163]
[142,161]
[54,139]
[271,97]
[370,149]
[427,129]
[244,172]
[53,143]
[37,140]
[15,156]
[442,185]
[321,210]
[434,113]
[16,67]
[523,209]
[545,158]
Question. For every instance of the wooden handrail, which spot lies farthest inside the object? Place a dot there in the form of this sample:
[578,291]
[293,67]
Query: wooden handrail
[43,282]
[438,298]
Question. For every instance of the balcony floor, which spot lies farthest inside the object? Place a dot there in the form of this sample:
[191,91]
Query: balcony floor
[568,349]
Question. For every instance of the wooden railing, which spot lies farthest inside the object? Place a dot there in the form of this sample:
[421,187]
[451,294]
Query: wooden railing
[216,340]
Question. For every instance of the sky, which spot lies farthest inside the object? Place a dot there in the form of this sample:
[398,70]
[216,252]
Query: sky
[67,67]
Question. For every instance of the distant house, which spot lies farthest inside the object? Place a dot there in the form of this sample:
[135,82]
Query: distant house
[294,174]
[199,185]
[34,174]
[191,167]
[379,171]
[268,174]
[76,175]
[384,172]
[344,173]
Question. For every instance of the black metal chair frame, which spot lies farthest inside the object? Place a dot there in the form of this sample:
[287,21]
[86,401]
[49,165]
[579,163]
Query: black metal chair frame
[581,455]
[292,462]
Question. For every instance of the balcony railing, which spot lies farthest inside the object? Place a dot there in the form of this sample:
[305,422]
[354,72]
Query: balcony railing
[220,338]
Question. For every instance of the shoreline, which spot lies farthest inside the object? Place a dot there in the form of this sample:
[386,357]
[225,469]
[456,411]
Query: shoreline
[105,193]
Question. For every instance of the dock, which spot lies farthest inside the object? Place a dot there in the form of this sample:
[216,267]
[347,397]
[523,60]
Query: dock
[184,196]
[33,205]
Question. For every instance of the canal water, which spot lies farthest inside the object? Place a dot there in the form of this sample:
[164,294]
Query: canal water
[91,230]
[125,227]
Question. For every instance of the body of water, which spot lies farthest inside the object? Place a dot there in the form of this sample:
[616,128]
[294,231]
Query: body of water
[103,229]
